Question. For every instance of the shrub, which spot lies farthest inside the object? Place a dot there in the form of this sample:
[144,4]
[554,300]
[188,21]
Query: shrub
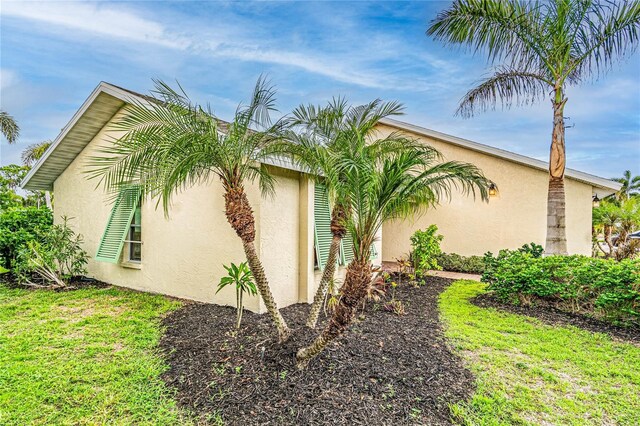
[55,260]
[604,288]
[18,226]
[457,263]
[425,246]
[241,278]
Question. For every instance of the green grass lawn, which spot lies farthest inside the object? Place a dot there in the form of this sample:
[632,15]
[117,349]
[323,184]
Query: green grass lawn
[532,373]
[82,357]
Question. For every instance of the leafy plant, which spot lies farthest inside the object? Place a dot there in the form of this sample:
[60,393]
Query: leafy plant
[55,260]
[425,249]
[535,250]
[19,226]
[241,277]
[600,287]
[456,263]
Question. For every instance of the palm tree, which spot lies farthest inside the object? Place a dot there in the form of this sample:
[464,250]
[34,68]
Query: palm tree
[544,47]
[170,143]
[34,152]
[315,139]
[380,188]
[31,155]
[8,127]
[630,186]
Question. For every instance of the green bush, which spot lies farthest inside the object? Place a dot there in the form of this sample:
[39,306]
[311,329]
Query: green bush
[425,246]
[54,261]
[456,263]
[18,226]
[601,287]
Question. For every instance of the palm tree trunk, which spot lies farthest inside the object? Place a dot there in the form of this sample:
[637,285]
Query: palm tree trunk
[352,295]
[556,204]
[327,276]
[240,216]
[47,200]
[338,230]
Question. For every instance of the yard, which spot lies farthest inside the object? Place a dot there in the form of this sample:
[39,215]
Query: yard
[92,356]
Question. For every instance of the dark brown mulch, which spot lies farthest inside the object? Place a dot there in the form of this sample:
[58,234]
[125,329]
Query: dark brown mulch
[387,369]
[75,283]
[554,316]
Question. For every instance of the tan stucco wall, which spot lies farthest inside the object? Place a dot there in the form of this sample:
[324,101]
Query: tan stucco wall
[514,217]
[183,255]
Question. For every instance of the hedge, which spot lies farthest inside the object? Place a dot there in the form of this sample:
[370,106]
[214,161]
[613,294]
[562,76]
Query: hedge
[600,287]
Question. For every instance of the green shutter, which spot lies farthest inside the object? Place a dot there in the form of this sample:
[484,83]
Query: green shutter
[118,225]
[346,250]
[321,224]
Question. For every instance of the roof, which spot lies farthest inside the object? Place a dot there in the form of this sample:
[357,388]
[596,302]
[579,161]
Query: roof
[107,99]
[596,181]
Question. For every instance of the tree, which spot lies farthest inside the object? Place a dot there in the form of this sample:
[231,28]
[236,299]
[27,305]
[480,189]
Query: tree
[315,139]
[616,221]
[542,48]
[630,186]
[170,143]
[8,127]
[380,188]
[34,152]
[31,155]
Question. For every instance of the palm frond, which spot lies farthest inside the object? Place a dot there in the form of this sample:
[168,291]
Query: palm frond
[9,127]
[34,152]
[507,86]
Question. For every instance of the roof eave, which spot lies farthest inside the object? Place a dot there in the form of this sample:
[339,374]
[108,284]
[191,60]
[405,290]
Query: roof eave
[595,181]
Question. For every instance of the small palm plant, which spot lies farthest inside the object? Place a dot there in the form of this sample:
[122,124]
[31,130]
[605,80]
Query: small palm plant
[170,144]
[317,139]
[396,185]
[239,276]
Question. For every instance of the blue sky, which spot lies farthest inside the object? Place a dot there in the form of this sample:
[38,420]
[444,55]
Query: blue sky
[53,54]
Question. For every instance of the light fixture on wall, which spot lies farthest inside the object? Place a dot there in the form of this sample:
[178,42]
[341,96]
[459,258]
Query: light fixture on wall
[493,190]
[596,201]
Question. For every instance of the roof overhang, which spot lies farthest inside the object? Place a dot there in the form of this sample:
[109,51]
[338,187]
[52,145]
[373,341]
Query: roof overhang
[601,186]
[103,103]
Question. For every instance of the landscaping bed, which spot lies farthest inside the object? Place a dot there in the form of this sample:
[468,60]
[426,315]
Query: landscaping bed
[388,369]
[549,314]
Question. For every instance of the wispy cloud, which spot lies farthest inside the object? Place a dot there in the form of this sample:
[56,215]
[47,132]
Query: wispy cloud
[126,25]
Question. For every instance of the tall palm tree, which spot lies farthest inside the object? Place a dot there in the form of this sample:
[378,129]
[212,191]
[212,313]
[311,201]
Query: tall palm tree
[630,186]
[170,143]
[8,127]
[380,188]
[34,152]
[315,139]
[543,48]
[31,155]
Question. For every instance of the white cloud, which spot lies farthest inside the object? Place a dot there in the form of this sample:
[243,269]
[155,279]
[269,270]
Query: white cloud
[7,78]
[116,23]
[94,18]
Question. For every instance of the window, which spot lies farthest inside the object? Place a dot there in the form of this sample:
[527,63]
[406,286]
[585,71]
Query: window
[124,218]
[135,237]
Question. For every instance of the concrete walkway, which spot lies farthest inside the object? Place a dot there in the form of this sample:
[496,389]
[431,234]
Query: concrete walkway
[393,267]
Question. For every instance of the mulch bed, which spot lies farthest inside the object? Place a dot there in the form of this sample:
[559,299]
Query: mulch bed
[386,370]
[75,283]
[553,316]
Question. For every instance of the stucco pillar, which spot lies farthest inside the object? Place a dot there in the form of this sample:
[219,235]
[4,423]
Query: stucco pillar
[306,281]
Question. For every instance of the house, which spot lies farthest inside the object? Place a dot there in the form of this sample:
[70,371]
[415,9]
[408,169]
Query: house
[133,244]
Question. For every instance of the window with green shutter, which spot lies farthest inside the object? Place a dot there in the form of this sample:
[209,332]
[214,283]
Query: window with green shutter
[118,226]
[321,225]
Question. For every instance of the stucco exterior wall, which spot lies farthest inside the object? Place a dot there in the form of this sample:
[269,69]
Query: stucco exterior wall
[182,255]
[517,215]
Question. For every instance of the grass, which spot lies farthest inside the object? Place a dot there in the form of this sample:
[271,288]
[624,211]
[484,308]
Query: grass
[83,357]
[532,373]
